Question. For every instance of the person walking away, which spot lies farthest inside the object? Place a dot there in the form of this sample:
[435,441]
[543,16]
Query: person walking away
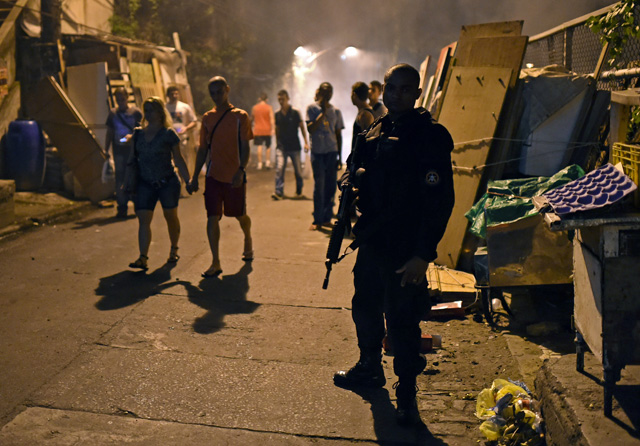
[364,118]
[120,124]
[263,125]
[325,124]
[155,145]
[288,121]
[184,120]
[405,198]
[375,89]
[224,136]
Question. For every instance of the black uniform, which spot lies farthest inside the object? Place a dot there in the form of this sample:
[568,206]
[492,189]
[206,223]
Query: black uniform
[405,199]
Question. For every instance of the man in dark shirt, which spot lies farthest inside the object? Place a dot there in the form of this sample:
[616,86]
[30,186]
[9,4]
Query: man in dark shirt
[375,89]
[288,121]
[405,187]
[120,124]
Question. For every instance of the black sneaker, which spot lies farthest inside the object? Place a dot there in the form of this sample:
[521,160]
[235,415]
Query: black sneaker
[277,197]
[360,375]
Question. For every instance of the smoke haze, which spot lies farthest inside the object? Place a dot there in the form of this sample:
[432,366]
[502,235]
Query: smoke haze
[385,32]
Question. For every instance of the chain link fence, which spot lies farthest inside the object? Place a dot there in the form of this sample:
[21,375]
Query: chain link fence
[577,48]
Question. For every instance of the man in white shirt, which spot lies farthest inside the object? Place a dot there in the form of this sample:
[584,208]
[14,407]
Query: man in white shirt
[183,121]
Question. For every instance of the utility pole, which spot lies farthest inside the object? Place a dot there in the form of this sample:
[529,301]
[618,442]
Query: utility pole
[50,34]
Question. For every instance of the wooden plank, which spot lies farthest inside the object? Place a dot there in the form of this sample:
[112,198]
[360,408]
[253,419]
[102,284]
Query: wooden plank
[442,70]
[471,111]
[513,28]
[506,52]
[424,68]
[51,107]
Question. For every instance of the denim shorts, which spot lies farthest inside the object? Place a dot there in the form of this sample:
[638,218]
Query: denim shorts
[168,192]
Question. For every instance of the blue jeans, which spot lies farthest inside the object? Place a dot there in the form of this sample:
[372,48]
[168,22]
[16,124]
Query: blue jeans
[281,166]
[325,177]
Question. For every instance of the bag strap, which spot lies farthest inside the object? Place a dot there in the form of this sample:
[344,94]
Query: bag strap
[210,137]
[122,120]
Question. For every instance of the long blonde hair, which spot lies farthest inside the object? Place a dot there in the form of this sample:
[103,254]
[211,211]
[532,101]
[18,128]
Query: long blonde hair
[158,105]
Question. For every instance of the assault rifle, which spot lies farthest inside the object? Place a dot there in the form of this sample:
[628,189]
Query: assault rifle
[342,226]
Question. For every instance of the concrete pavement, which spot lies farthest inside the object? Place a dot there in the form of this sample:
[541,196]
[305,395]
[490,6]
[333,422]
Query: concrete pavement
[96,354]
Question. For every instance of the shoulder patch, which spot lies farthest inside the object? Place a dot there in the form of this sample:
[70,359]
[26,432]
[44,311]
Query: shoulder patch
[432,178]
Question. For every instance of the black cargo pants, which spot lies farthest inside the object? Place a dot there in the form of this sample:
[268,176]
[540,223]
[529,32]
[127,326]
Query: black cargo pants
[378,295]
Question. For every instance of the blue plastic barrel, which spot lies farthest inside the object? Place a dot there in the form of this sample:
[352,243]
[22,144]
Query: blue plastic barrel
[24,155]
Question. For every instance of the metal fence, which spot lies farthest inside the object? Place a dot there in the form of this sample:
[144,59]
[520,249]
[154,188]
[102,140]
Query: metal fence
[577,48]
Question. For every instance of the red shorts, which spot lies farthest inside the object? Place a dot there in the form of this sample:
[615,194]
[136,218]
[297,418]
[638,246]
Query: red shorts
[218,195]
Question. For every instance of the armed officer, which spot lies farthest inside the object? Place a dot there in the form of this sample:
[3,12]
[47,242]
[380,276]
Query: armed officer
[405,196]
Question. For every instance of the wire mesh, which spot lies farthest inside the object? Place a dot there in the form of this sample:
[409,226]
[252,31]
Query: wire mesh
[578,49]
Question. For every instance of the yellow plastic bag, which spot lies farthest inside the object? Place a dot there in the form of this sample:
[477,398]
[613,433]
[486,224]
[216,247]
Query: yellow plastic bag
[498,384]
[512,389]
[484,403]
[491,430]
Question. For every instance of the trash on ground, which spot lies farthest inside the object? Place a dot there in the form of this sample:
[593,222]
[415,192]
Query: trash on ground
[510,414]
[428,344]
[447,309]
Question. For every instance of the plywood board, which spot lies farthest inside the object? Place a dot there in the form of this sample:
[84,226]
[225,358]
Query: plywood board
[87,89]
[506,52]
[77,145]
[474,101]
[513,28]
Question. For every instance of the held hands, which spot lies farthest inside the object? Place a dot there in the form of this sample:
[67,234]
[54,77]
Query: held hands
[193,185]
[413,271]
[306,147]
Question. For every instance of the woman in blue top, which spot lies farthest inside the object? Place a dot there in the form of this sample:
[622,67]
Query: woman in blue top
[155,145]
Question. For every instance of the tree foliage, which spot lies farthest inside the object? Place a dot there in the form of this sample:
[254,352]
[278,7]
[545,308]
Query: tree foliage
[214,39]
[617,27]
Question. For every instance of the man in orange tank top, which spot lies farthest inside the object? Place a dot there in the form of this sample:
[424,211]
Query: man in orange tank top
[262,118]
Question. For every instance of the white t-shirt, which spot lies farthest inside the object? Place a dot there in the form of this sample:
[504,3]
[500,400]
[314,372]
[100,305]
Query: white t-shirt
[181,114]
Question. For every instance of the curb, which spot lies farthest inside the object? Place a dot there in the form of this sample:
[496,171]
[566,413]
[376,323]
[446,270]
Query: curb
[562,426]
[54,215]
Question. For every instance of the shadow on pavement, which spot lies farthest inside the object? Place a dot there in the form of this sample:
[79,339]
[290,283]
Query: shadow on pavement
[627,396]
[129,287]
[100,221]
[384,420]
[221,296]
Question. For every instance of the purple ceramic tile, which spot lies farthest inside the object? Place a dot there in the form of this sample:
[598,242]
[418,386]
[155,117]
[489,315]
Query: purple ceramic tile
[602,187]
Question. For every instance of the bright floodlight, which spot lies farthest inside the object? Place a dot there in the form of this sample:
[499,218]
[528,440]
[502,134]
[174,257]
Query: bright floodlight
[351,51]
[301,52]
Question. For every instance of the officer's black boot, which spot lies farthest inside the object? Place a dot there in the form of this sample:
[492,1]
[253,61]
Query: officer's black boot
[366,373]
[406,406]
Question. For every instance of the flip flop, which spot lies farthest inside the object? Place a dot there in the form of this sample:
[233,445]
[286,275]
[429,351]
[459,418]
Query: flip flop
[208,275]
[247,256]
